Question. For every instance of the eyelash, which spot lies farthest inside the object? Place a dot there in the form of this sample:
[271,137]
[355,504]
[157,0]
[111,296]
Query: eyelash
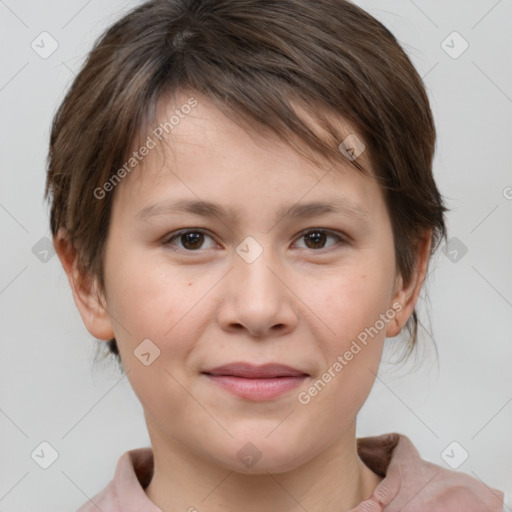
[168,240]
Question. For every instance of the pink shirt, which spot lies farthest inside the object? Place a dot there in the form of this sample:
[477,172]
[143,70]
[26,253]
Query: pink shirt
[410,483]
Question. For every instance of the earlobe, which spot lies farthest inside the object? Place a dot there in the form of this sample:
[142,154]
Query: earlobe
[407,294]
[88,298]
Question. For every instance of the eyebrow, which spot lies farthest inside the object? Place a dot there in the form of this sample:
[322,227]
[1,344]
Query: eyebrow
[340,206]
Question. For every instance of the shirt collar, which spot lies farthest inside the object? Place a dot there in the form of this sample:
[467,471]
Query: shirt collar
[407,480]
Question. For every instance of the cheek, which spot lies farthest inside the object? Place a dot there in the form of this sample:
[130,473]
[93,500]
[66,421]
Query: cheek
[145,295]
[351,305]
[166,304]
[147,301]
[353,351]
[353,298]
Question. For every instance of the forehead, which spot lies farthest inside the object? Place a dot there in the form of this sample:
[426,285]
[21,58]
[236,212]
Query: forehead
[199,152]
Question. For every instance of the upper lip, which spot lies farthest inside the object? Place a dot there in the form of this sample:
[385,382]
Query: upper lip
[251,371]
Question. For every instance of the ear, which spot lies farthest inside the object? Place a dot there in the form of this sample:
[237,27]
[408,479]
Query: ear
[407,295]
[88,299]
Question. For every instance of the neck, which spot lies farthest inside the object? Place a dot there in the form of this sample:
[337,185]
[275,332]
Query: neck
[336,480]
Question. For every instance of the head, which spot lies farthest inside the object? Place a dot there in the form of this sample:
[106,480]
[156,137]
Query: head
[259,108]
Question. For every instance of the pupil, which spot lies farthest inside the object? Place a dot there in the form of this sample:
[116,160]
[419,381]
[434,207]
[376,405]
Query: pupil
[316,237]
[193,237]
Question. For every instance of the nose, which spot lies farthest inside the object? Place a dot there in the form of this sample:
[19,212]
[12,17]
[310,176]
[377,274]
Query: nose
[257,298]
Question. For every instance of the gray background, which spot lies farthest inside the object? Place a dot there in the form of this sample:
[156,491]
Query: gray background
[49,389]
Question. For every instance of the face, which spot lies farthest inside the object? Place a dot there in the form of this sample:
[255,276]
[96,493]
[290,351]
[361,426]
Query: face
[248,283]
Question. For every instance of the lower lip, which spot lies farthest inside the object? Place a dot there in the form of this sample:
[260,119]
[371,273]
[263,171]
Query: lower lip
[257,389]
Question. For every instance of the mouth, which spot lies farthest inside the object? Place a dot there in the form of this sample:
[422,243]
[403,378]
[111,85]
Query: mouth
[250,371]
[257,383]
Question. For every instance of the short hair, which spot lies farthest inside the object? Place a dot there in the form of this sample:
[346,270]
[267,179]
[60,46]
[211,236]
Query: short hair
[251,58]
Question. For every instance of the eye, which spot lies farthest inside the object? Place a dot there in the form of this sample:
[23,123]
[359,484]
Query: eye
[315,238]
[192,239]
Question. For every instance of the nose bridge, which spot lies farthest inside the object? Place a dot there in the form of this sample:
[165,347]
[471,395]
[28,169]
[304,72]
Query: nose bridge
[253,262]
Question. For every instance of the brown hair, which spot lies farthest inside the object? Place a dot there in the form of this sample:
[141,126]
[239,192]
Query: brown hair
[251,58]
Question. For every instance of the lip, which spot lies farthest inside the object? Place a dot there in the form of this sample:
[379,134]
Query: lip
[253,382]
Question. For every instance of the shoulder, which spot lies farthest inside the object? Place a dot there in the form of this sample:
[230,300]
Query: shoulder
[125,493]
[412,482]
[106,501]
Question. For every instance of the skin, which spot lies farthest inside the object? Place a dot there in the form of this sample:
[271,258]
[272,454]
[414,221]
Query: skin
[299,303]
